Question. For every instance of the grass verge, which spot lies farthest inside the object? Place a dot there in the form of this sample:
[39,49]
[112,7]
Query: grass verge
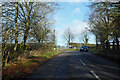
[111,56]
[71,50]
[26,66]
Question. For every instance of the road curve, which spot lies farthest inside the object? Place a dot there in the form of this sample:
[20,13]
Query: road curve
[78,65]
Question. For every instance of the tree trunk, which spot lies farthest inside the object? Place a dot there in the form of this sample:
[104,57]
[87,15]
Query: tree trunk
[27,27]
[96,41]
[25,38]
[16,33]
[6,59]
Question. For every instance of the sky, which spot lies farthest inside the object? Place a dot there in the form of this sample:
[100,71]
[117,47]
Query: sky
[73,15]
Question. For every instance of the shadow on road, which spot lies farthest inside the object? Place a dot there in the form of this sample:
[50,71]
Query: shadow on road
[67,65]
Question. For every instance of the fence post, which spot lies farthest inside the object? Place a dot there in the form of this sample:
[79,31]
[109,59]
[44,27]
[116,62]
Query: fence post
[107,45]
[103,46]
[113,45]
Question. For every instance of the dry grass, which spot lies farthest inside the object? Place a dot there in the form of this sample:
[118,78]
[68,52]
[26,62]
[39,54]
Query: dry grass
[24,66]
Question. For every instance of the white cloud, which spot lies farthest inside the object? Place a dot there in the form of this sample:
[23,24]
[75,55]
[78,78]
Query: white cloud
[76,10]
[60,31]
[78,26]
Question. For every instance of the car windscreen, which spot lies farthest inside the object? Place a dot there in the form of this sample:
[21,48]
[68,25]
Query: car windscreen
[84,47]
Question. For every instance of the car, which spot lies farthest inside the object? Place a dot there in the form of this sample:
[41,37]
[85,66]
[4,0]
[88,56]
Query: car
[84,48]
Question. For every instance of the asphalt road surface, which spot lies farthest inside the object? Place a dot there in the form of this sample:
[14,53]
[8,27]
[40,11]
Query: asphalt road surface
[78,65]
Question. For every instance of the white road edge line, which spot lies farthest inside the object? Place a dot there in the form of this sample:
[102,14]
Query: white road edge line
[95,75]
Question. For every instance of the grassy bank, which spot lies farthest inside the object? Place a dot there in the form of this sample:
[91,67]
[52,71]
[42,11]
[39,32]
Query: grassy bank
[23,66]
[71,49]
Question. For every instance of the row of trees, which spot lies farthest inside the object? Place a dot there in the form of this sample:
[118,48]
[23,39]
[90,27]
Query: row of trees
[104,21]
[25,21]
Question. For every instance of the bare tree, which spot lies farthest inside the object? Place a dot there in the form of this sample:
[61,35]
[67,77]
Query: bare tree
[68,36]
[104,21]
[85,38]
[45,21]
[21,18]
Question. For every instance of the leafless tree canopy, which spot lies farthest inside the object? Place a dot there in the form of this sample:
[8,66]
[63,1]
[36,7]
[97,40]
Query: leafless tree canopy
[68,36]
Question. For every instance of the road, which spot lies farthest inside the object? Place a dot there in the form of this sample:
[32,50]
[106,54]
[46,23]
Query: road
[79,65]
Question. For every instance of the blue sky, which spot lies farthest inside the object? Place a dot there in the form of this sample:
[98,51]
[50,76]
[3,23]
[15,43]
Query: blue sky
[75,16]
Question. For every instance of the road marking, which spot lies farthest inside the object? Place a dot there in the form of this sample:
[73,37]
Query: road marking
[77,55]
[82,62]
[95,75]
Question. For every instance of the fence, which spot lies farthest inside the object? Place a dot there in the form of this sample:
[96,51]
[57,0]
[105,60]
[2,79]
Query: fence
[110,47]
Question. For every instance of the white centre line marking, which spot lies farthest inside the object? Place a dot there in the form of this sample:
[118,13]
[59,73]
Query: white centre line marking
[82,62]
[90,71]
[95,75]
[77,55]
